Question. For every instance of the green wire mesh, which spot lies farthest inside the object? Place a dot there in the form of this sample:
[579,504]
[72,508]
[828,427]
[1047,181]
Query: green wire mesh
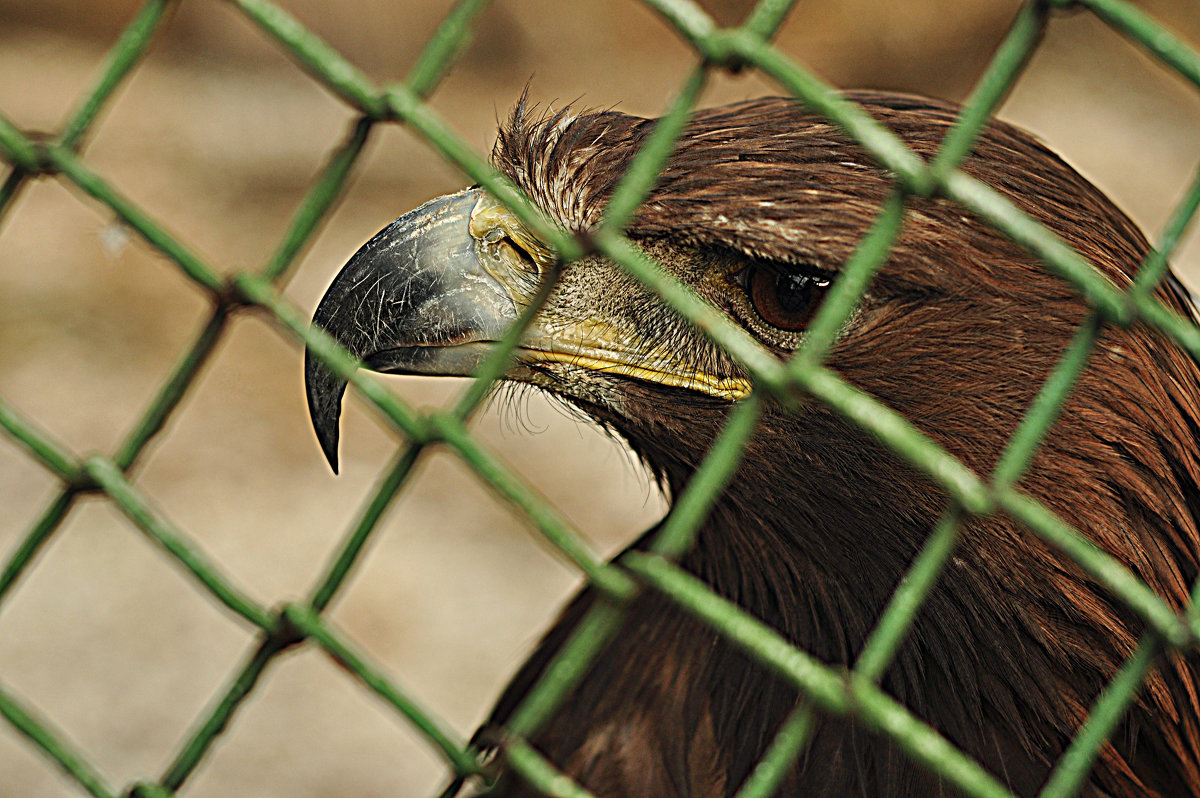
[830,690]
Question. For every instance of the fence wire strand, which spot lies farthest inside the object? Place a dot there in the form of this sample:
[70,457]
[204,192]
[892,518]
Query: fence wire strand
[825,689]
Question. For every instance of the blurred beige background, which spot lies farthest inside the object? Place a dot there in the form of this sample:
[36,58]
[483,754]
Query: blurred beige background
[218,135]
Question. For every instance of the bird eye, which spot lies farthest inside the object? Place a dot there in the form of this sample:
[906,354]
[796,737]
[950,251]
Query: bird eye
[784,299]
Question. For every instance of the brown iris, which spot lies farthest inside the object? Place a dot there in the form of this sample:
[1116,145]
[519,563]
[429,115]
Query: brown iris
[784,299]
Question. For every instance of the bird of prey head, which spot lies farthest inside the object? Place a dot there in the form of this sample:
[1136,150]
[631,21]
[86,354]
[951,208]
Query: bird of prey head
[758,208]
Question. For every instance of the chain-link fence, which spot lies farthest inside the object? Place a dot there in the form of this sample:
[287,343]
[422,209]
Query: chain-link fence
[829,690]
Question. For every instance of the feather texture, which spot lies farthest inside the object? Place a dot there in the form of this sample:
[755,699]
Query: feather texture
[957,333]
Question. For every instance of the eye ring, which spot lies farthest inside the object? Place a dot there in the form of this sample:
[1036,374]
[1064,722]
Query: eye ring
[783,299]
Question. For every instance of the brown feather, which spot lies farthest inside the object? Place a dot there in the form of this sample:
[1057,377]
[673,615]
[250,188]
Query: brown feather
[957,333]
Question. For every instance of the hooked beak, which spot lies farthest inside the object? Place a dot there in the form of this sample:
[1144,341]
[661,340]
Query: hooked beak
[426,295]
[432,291]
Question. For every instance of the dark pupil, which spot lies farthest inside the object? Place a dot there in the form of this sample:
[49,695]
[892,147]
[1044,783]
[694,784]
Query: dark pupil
[793,291]
[785,299]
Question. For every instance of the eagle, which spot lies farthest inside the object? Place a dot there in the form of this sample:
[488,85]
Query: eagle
[757,209]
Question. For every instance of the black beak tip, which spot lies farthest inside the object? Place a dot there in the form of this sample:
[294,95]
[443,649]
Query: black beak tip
[329,448]
[325,390]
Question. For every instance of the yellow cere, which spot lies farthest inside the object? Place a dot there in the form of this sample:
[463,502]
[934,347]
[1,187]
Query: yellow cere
[490,218]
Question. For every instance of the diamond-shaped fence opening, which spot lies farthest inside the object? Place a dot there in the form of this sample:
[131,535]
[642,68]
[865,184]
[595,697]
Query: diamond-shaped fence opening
[108,475]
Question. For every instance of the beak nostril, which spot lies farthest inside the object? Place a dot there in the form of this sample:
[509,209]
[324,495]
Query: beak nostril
[499,229]
[520,254]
